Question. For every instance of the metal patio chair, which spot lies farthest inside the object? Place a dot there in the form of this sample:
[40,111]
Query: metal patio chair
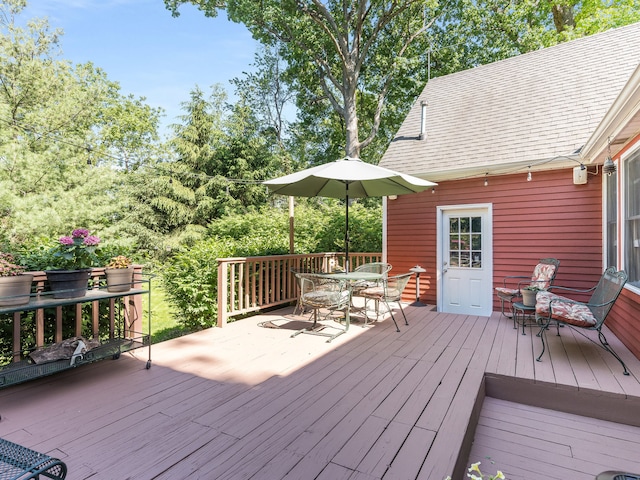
[325,295]
[299,309]
[374,267]
[389,291]
[542,277]
[551,307]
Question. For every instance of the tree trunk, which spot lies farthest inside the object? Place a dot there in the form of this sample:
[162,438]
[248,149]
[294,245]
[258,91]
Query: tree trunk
[352,145]
[562,17]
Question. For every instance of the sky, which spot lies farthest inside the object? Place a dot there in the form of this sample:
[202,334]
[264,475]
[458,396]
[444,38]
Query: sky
[147,51]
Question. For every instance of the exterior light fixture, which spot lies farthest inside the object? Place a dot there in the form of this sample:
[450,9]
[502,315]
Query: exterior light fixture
[486,179]
[529,174]
[433,190]
[609,167]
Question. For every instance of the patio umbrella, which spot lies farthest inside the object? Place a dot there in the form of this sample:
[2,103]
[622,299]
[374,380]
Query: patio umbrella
[347,178]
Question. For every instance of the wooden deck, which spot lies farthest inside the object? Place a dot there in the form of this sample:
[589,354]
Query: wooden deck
[248,402]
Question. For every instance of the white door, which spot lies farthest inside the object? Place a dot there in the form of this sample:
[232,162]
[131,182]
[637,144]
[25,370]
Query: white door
[465,259]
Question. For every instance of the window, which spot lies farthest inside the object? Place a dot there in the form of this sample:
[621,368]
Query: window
[465,242]
[611,233]
[632,218]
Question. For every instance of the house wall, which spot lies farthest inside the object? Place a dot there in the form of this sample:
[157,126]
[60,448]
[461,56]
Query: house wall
[623,320]
[547,217]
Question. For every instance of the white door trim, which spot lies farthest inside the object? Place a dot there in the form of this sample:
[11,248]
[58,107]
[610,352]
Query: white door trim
[487,248]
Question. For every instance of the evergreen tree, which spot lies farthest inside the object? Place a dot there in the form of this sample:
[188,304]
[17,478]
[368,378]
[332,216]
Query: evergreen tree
[221,154]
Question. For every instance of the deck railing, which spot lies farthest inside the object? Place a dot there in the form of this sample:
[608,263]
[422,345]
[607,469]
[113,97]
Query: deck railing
[250,284]
[133,312]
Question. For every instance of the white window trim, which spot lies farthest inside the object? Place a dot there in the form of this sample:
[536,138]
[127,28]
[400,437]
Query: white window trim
[622,211]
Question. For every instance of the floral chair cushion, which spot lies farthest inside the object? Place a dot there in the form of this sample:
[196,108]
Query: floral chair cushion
[508,292]
[564,310]
[542,275]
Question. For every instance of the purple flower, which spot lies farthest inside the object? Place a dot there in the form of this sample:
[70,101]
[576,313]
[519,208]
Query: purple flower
[91,240]
[80,233]
[76,251]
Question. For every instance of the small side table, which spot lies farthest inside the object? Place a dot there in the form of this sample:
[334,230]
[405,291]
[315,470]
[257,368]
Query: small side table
[418,270]
[522,313]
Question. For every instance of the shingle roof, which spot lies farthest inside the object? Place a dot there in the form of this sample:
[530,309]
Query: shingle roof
[523,110]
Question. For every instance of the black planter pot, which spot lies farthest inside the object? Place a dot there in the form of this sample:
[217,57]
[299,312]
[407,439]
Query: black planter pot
[68,283]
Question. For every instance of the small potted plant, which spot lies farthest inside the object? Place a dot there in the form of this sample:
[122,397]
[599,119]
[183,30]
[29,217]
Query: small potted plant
[529,295]
[15,285]
[119,273]
[70,264]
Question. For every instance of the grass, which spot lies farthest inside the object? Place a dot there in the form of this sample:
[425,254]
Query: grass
[164,324]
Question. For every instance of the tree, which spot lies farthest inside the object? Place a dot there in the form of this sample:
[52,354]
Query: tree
[476,32]
[357,65]
[267,91]
[220,157]
[58,146]
[338,50]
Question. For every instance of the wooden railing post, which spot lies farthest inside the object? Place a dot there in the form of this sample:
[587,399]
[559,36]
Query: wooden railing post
[222,293]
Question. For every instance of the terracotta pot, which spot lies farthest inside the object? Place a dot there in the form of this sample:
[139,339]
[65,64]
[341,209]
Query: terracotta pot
[119,279]
[68,283]
[15,290]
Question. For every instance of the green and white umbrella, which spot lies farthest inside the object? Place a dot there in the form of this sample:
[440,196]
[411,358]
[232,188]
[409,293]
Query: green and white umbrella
[347,178]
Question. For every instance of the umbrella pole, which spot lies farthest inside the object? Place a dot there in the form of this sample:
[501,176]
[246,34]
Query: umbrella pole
[291,227]
[346,230]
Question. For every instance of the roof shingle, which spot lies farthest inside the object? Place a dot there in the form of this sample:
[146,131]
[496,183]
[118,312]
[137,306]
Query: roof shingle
[526,109]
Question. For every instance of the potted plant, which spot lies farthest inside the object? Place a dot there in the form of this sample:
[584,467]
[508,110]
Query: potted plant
[15,285]
[529,295]
[119,273]
[70,268]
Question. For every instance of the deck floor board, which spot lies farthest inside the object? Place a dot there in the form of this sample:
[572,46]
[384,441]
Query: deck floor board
[525,440]
[248,402]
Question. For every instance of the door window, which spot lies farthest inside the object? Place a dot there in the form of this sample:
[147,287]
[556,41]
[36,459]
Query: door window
[465,242]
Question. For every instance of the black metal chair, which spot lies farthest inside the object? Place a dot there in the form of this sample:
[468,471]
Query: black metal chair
[18,462]
[617,475]
[551,307]
[542,277]
[390,291]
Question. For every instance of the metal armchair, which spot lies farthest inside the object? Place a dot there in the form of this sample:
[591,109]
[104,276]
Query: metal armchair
[322,293]
[299,309]
[390,291]
[551,307]
[542,277]
[381,268]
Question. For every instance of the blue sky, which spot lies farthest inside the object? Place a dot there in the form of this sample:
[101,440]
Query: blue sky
[150,53]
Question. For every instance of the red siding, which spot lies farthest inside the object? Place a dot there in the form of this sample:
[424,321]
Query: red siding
[547,217]
[623,321]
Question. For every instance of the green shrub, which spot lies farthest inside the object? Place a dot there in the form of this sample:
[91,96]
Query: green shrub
[190,279]
[190,276]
